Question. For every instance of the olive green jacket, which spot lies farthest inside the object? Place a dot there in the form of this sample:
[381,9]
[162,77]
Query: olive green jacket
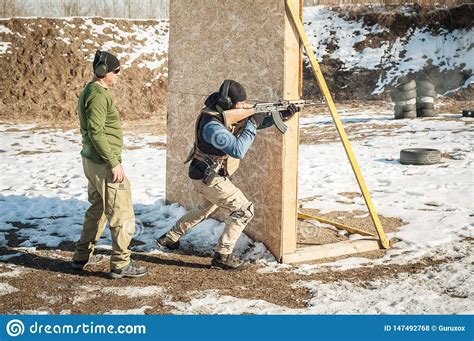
[102,136]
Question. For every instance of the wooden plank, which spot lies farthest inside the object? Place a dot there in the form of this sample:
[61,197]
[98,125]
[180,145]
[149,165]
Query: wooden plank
[289,157]
[300,59]
[331,250]
[335,224]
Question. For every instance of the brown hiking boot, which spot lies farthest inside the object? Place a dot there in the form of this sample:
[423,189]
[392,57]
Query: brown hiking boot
[132,270]
[93,260]
[165,241]
[228,262]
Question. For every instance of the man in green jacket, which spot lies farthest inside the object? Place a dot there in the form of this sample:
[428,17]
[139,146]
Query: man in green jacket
[109,190]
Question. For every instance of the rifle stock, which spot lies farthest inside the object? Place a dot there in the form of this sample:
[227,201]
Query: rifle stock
[234,116]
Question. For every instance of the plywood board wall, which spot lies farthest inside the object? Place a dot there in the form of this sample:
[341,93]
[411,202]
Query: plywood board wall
[252,42]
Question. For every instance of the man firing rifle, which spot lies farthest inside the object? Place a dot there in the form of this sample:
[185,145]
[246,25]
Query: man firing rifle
[224,132]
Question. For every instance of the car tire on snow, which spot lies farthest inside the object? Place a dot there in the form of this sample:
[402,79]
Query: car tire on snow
[404,107]
[426,93]
[425,99]
[398,96]
[425,113]
[424,86]
[401,114]
[406,86]
[409,114]
[409,102]
[424,105]
[468,113]
[419,156]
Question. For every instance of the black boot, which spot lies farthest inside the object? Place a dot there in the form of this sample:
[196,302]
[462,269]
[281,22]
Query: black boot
[164,241]
[228,262]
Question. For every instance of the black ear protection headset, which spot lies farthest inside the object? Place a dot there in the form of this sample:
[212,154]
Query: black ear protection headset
[224,102]
[100,68]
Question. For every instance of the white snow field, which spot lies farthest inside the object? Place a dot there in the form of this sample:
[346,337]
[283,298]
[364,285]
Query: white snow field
[46,188]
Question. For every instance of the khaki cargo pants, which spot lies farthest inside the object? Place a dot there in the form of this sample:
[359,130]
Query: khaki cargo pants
[109,201]
[220,193]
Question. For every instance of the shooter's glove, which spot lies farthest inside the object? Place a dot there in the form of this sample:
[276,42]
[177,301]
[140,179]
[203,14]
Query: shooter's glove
[290,111]
[257,119]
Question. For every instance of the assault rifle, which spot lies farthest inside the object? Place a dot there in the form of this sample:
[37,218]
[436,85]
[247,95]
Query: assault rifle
[274,110]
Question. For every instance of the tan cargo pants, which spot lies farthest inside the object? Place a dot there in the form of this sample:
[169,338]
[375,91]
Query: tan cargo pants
[220,193]
[109,201]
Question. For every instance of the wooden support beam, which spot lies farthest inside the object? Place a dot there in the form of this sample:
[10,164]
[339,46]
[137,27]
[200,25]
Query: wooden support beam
[335,224]
[316,252]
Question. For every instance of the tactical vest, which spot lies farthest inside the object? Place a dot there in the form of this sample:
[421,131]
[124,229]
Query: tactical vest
[202,149]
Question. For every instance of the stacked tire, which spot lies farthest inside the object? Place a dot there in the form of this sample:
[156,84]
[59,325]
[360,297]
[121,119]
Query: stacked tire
[426,95]
[404,97]
[468,113]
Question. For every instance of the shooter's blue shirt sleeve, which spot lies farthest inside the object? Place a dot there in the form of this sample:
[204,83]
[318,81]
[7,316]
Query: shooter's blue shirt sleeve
[216,134]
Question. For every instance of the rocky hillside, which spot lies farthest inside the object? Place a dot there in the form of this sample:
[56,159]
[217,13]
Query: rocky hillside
[46,62]
[367,49]
[363,51]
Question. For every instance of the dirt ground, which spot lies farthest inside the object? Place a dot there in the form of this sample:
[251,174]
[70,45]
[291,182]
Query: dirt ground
[311,234]
[47,282]
[50,62]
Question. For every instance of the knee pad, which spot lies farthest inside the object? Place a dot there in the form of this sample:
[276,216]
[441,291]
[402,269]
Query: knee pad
[245,214]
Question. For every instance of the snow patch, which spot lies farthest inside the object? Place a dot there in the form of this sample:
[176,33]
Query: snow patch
[15,271]
[6,289]
[134,292]
[443,289]
[4,46]
[89,292]
[40,311]
[138,311]
[210,302]
[5,30]
[4,258]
